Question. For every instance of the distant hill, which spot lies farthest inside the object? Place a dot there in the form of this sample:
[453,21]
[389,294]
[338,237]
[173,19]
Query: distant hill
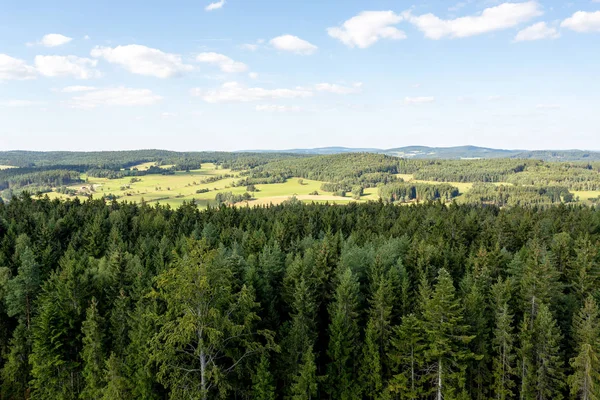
[454,153]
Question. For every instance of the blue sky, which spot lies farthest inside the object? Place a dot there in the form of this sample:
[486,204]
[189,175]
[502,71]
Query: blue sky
[249,74]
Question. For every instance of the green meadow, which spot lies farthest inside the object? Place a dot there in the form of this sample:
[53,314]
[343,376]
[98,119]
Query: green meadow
[176,189]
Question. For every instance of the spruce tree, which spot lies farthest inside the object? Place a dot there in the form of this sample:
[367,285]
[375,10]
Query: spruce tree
[263,386]
[447,339]
[585,379]
[407,357]
[92,354]
[550,378]
[343,337]
[305,384]
[117,385]
[503,364]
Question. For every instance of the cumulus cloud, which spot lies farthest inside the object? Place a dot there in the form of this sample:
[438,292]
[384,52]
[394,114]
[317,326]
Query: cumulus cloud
[54,40]
[338,89]
[143,60]
[367,28]
[293,44]
[253,75]
[418,100]
[77,89]
[274,108]
[583,21]
[120,96]
[61,66]
[215,6]
[15,69]
[234,92]
[503,16]
[537,31]
[224,63]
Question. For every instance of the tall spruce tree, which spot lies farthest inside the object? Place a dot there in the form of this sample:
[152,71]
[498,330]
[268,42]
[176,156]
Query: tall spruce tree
[263,385]
[447,353]
[92,354]
[585,379]
[550,378]
[407,356]
[343,338]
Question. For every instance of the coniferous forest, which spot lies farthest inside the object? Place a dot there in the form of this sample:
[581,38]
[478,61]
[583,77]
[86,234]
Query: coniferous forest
[366,301]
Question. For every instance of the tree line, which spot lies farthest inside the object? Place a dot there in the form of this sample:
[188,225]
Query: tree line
[366,301]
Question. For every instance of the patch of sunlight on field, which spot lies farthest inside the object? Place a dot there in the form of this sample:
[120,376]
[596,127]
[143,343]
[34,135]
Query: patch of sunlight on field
[585,196]
[144,166]
[6,167]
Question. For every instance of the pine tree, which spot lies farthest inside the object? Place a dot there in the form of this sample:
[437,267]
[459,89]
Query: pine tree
[549,365]
[92,354]
[263,387]
[343,337]
[447,339]
[585,379]
[305,384]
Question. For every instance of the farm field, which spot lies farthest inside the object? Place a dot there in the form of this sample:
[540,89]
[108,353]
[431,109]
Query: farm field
[5,167]
[176,189]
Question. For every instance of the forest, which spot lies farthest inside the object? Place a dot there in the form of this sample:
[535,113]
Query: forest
[115,300]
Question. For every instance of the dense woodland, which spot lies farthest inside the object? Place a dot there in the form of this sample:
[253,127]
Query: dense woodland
[365,301]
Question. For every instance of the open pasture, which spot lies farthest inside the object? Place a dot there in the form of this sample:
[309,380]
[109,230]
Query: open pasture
[182,187]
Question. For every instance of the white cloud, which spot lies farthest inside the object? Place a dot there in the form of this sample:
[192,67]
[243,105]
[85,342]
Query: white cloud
[77,89]
[537,32]
[547,106]
[249,46]
[86,37]
[59,66]
[583,21]
[54,40]
[503,16]
[293,44]
[367,28]
[15,69]
[253,75]
[224,63]
[119,96]
[215,6]
[338,89]
[143,60]
[234,92]
[418,100]
[495,98]
[20,103]
[273,108]
[168,115]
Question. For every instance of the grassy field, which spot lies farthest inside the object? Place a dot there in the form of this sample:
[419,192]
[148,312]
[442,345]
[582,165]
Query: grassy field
[182,187]
[585,196]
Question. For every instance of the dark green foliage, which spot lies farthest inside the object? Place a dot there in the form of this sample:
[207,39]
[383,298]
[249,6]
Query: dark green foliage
[405,192]
[315,301]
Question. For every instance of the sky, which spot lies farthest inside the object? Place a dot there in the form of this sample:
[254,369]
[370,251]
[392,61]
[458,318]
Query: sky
[193,75]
